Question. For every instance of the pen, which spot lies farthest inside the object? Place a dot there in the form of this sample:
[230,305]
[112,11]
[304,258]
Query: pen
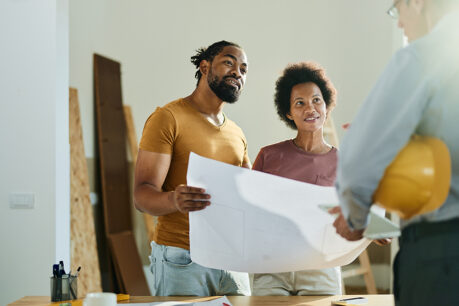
[351,301]
[71,281]
[72,292]
[354,298]
[78,271]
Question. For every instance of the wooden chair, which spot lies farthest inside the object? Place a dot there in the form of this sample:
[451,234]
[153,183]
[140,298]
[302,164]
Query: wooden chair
[365,267]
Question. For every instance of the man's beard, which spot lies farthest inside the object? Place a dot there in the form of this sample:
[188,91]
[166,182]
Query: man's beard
[221,89]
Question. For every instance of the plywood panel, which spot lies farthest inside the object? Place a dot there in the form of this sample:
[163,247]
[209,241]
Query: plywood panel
[82,233]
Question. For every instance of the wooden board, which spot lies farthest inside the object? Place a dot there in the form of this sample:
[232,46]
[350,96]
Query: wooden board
[114,173]
[112,145]
[82,231]
[149,220]
[124,250]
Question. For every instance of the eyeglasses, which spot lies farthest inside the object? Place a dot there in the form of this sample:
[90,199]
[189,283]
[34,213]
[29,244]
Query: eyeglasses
[393,11]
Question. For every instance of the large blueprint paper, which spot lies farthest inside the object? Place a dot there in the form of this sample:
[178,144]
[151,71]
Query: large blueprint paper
[262,223]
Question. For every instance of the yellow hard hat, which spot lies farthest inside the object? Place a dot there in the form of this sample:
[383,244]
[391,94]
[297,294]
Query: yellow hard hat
[418,179]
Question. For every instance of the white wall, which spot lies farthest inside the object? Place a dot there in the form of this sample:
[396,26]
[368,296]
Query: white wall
[34,144]
[154,40]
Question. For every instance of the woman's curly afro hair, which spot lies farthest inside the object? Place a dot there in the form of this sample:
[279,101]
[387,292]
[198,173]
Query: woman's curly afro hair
[298,73]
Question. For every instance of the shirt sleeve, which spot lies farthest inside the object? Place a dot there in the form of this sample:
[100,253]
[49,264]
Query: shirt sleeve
[159,132]
[258,164]
[245,159]
[382,127]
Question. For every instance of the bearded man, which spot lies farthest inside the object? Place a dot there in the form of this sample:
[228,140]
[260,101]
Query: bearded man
[197,124]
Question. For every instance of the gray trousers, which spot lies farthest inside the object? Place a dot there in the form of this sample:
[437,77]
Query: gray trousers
[175,274]
[308,282]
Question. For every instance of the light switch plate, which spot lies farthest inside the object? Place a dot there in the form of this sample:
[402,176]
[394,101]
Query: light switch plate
[94,198]
[22,200]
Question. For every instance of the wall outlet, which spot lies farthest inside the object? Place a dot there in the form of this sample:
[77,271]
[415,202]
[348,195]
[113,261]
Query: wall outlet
[22,200]
[94,198]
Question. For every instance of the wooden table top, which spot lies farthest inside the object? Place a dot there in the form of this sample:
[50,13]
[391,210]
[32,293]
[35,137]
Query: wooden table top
[373,300]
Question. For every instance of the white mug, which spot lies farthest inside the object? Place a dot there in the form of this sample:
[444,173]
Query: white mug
[100,299]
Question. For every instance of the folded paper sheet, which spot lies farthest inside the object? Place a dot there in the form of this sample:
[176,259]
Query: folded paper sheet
[262,223]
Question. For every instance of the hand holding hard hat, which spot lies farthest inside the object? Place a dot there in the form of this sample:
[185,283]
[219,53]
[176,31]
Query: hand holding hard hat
[418,179]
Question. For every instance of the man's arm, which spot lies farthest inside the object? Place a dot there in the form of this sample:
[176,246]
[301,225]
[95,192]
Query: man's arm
[247,165]
[246,160]
[150,172]
[383,125]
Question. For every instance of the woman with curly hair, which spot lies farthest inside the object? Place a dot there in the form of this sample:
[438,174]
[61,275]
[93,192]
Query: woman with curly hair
[304,98]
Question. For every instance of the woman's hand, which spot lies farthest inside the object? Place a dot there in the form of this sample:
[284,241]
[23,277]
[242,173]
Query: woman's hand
[343,230]
[382,242]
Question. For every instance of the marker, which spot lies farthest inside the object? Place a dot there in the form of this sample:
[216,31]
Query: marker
[55,270]
[55,294]
[60,272]
[61,268]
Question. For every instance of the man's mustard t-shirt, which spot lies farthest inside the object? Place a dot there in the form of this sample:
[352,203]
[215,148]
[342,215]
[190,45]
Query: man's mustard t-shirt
[178,129]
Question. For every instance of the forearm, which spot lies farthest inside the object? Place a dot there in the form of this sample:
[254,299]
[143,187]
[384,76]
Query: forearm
[154,202]
[355,212]
[383,125]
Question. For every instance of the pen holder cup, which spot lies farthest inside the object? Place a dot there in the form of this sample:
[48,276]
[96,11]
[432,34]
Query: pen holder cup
[64,288]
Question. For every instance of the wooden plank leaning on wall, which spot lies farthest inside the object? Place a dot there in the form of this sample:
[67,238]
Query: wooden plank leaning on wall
[133,149]
[116,196]
[83,243]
